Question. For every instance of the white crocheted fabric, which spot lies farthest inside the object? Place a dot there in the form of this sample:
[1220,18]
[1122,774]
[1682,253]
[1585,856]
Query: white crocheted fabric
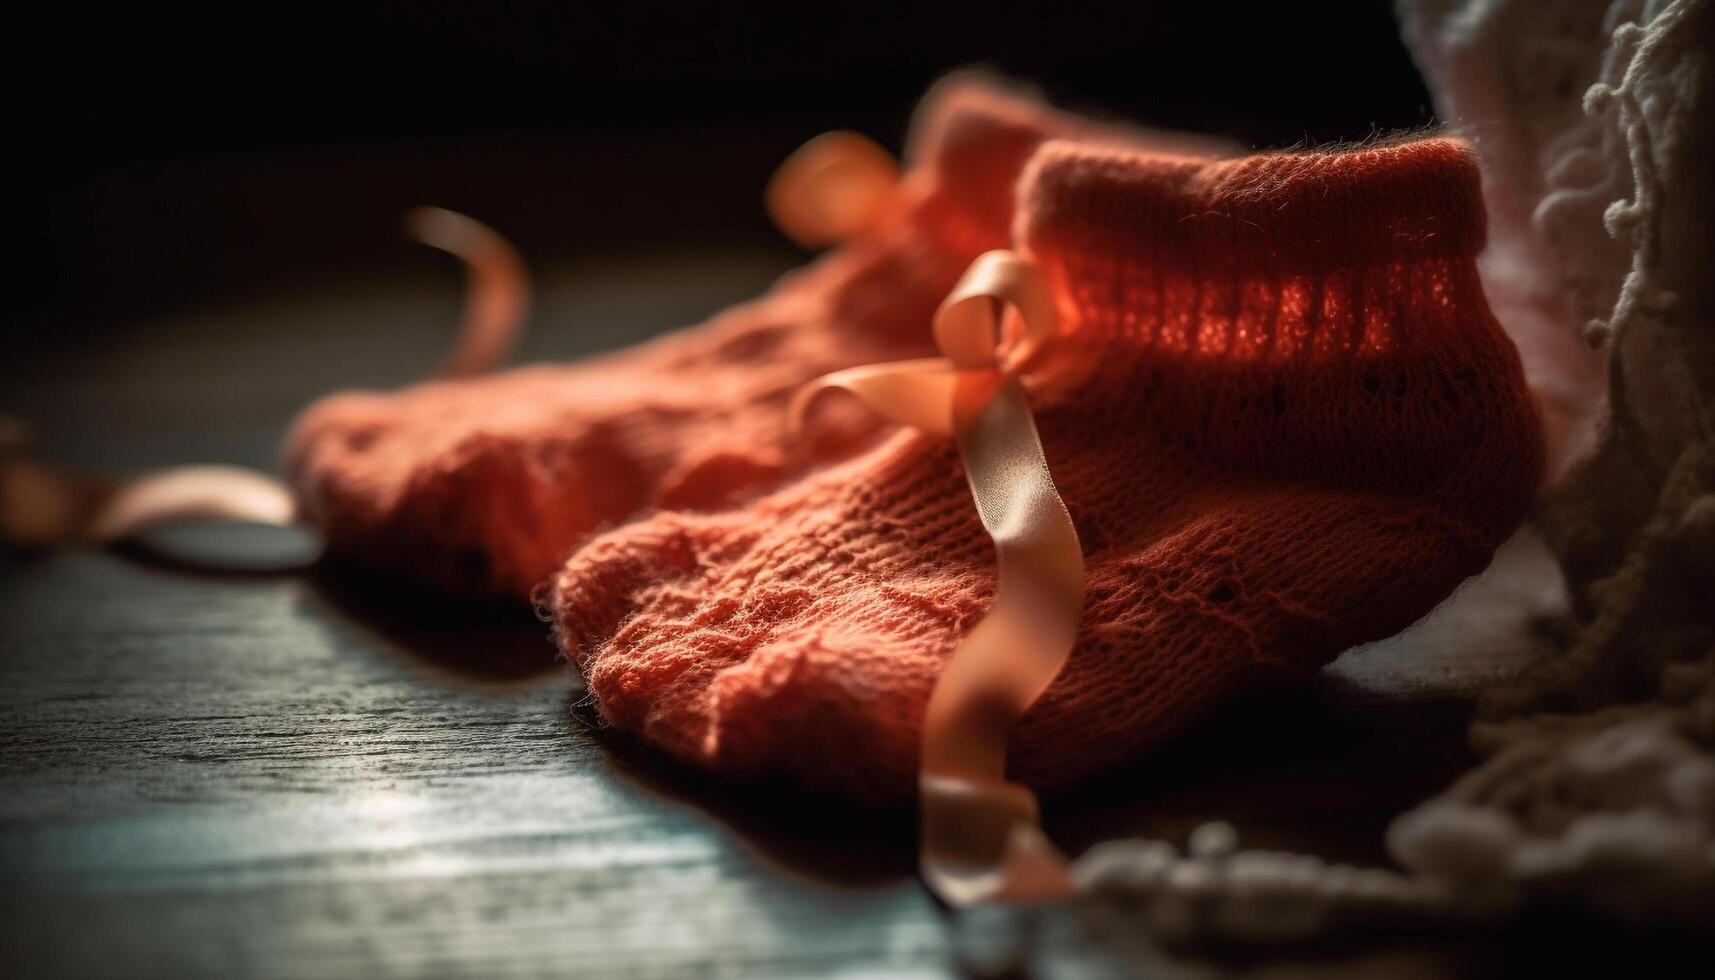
[1511,76]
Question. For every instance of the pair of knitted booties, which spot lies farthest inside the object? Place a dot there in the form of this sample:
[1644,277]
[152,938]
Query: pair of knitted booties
[1296,427]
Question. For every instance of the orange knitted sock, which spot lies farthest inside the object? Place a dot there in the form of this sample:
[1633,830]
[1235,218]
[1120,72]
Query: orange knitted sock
[482,485]
[1300,431]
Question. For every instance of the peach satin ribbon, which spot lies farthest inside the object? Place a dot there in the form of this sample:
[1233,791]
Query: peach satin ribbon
[981,835]
[42,505]
[497,300]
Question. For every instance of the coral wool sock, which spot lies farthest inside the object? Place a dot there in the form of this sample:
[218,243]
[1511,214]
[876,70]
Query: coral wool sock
[483,485]
[1300,430]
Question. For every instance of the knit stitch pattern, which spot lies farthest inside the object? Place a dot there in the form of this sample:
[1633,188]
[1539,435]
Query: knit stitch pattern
[1297,429]
[482,485]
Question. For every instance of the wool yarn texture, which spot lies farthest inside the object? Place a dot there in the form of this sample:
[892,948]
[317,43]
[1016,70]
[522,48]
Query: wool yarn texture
[1295,427]
[481,485]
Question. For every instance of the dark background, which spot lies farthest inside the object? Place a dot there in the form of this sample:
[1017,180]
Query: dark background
[170,157]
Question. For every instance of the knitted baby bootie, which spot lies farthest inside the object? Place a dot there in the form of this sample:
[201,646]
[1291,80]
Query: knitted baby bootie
[482,485]
[1295,427]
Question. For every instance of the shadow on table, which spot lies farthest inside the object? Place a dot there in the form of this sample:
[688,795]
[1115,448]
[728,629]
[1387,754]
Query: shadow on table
[1317,767]
[470,640]
[827,839]
[1321,766]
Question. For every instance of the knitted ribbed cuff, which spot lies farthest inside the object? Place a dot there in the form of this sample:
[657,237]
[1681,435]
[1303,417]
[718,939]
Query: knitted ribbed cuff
[1276,253]
[1273,213]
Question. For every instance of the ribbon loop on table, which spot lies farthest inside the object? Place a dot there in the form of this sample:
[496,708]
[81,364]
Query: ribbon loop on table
[42,506]
[981,836]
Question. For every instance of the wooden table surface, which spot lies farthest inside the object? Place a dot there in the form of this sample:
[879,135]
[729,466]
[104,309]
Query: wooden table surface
[325,774]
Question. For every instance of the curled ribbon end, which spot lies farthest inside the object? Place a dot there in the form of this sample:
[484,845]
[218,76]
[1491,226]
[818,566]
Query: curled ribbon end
[446,230]
[44,506]
[225,493]
[498,301]
[981,843]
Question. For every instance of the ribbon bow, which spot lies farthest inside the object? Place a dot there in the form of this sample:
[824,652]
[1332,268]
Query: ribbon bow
[981,835]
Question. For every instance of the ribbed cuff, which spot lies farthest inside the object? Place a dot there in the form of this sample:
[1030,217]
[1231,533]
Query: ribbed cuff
[1276,254]
[1286,213]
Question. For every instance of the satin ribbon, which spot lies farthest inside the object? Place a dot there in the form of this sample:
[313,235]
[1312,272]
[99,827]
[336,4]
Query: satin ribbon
[497,299]
[981,835]
[42,505]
